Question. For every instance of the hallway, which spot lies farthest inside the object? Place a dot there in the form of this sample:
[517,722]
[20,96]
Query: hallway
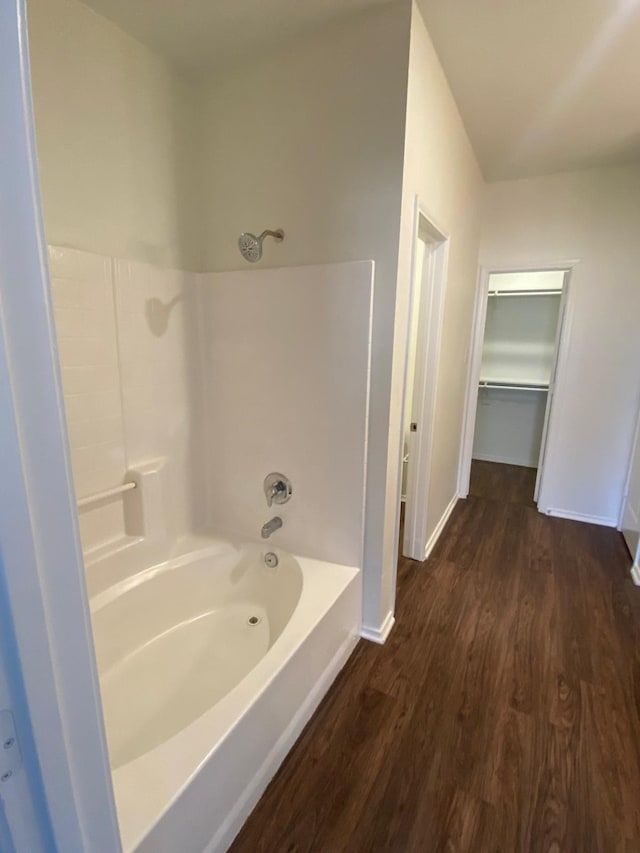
[502,713]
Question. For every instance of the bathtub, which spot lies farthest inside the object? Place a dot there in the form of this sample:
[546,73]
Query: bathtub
[210,664]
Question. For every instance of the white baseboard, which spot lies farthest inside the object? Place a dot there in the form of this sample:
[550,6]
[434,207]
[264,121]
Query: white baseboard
[243,808]
[635,574]
[505,460]
[379,635]
[440,526]
[603,521]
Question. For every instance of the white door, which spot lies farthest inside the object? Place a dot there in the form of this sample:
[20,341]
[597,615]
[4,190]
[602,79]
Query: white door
[630,522]
[60,798]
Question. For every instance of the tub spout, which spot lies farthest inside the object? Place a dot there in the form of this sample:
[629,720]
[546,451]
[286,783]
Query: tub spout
[271,526]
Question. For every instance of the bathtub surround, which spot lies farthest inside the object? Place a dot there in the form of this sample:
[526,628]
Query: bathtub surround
[154,360]
[157,323]
[131,388]
[83,300]
[286,361]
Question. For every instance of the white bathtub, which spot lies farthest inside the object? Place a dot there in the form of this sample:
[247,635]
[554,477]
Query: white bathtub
[210,664]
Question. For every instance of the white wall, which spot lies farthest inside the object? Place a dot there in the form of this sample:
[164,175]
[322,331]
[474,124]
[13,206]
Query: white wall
[592,216]
[519,346]
[286,369]
[311,140]
[520,338]
[115,141]
[509,426]
[441,169]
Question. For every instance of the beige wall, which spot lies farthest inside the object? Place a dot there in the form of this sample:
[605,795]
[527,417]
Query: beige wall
[311,140]
[593,217]
[114,136]
[440,167]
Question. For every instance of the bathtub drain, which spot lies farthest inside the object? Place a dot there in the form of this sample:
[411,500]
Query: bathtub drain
[271,560]
[253,620]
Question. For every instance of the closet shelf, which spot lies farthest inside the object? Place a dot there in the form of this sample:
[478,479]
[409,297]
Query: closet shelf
[513,385]
[525,292]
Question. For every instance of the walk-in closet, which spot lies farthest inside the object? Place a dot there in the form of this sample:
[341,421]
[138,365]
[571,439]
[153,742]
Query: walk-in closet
[518,363]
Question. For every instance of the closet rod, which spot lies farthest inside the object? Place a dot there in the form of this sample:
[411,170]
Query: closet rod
[513,386]
[524,292]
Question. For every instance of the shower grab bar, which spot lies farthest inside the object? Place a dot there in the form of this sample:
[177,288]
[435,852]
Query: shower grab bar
[513,386]
[107,493]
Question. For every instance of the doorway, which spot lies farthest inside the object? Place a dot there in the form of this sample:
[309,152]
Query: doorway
[428,283]
[513,376]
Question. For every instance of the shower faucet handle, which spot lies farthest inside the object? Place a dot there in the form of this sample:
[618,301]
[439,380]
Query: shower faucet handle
[277,488]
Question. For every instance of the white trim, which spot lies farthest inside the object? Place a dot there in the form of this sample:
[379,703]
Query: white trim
[635,574]
[473,381]
[254,790]
[440,525]
[44,573]
[602,520]
[427,363]
[627,482]
[555,398]
[379,635]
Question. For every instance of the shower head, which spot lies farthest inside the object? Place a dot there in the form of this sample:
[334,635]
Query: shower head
[251,246]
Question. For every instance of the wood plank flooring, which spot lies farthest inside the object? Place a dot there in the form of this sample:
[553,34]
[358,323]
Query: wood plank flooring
[510,483]
[501,715]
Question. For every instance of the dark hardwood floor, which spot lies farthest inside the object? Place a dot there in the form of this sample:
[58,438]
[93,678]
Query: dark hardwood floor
[501,715]
[512,484]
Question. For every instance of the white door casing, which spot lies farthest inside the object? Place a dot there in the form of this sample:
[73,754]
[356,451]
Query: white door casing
[552,385]
[43,584]
[475,366]
[630,515]
[430,307]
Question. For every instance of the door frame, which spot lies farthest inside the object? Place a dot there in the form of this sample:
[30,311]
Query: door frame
[553,380]
[430,306]
[627,482]
[635,448]
[42,573]
[552,414]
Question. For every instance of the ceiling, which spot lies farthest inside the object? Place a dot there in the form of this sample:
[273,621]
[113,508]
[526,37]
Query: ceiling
[202,35]
[542,85]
